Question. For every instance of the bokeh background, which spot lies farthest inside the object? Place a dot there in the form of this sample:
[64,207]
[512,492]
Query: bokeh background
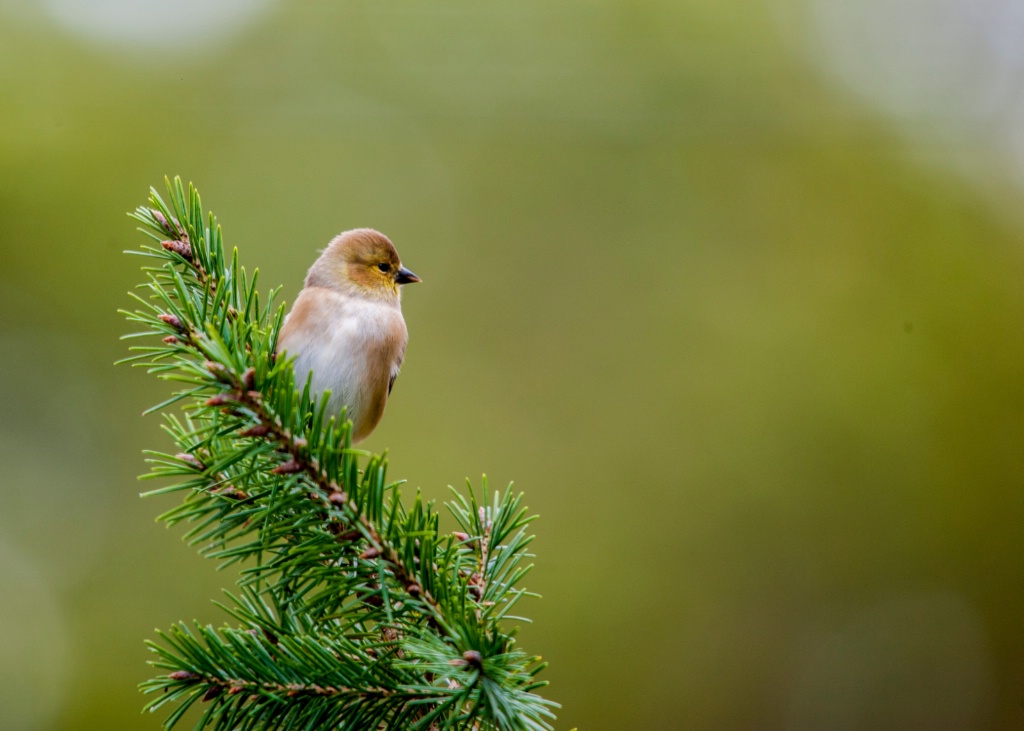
[730,288]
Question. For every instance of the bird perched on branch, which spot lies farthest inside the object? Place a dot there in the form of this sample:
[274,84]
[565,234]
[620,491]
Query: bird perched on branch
[346,326]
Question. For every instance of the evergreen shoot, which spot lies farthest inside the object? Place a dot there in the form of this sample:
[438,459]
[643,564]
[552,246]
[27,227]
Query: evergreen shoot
[352,610]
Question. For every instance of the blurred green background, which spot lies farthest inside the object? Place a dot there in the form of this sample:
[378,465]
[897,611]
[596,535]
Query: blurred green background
[730,288]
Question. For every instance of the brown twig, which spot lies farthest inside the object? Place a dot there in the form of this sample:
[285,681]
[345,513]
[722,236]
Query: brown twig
[243,396]
[233,686]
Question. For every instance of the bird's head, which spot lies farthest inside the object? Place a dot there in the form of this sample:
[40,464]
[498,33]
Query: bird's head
[361,261]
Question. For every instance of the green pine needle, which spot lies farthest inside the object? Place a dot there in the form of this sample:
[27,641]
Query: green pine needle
[352,610]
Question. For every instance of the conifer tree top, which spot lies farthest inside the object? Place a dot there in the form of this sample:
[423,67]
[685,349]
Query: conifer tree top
[352,609]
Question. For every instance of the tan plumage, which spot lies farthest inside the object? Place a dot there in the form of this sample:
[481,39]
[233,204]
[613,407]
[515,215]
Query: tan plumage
[346,326]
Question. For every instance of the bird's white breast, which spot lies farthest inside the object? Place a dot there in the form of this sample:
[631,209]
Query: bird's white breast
[351,344]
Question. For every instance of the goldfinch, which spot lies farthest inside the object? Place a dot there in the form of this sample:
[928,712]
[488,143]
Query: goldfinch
[346,326]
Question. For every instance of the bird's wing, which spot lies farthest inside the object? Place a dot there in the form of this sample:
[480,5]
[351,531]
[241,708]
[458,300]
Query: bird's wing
[394,370]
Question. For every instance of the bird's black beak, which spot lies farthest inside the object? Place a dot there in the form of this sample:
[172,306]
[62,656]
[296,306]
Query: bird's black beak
[406,277]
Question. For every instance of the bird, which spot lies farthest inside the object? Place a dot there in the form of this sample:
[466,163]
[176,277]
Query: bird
[346,326]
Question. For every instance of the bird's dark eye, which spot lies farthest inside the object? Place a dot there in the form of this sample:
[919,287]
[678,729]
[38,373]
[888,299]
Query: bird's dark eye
[384,267]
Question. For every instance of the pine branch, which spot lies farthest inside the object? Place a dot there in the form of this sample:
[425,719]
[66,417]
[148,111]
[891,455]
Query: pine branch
[353,610]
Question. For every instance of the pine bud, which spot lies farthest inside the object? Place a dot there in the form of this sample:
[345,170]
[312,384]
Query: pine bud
[183,675]
[218,400]
[171,320]
[181,248]
[414,589]
[232,492]
[249,378]
[216,370]
[371,552]
[349,535]
[473,658]
[190,459]
[260,430]
[170,340]
[287,468]
[161,219]
[174,228]
[338,500]
[213,692]
[344,538]
[460,536]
